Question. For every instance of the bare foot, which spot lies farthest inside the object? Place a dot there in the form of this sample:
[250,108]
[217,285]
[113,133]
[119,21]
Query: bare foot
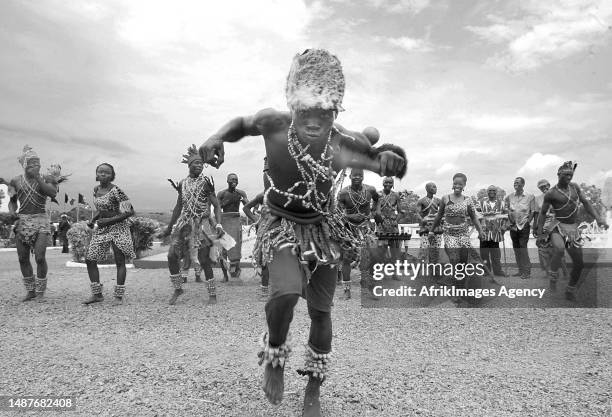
[174,297]
[312,404]
[274,383]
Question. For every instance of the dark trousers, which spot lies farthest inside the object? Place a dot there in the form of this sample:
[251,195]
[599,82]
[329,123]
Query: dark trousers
[519,243]
[491,255]
[65,245]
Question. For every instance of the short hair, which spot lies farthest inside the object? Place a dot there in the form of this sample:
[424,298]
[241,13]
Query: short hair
[520,178]
[460,175]
[108,165]
[230,174]
[356,171]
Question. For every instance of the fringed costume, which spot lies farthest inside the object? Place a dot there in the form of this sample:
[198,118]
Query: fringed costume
[32,223]
[193,229]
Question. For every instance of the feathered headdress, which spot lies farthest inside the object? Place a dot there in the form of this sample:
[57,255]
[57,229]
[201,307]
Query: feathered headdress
[27,155]
[315,80]
[191,155]
[568,166]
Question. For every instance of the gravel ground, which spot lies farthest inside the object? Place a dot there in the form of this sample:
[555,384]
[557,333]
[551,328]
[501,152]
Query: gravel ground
[145,358]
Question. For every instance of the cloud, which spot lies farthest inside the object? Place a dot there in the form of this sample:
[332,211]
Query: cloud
[411,44]
[412,7]
[500,123]
[546,32]
[446,168]
[539,163]
[24,134]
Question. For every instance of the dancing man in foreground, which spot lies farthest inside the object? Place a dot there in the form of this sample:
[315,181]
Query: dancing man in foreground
[564,234]
[301,232]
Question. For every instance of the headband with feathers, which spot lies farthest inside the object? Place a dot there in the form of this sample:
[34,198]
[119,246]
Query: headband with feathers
[191,155]
[568,166]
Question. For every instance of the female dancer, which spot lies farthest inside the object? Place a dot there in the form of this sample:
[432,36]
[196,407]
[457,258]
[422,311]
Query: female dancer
[113,209]
[456,208]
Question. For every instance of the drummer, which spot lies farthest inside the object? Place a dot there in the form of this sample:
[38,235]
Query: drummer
[494,223]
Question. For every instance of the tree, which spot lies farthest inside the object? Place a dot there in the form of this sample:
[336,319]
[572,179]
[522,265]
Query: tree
[408,204]
[593,195]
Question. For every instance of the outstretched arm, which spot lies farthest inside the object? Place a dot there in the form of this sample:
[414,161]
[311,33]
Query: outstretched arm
[355,151]
[264,121]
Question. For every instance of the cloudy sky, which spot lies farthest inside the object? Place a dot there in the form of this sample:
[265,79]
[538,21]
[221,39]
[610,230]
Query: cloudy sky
[494,89]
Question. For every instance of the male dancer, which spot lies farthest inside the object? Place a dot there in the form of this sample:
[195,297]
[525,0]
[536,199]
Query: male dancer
[564,199]
[190,226]
[229,200]
[185,261]
[357,202]
[301,233]
[428,208]
[32,229]
[389,203]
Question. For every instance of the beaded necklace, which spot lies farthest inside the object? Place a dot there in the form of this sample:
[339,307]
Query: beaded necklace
[385,199]
[195,201]
[569,200]
[358,198]
[311,171]
[29,193]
